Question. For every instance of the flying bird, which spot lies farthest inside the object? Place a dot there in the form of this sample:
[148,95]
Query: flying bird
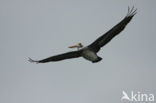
[90,52]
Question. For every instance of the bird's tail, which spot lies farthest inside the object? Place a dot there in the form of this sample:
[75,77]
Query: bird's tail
[99,59]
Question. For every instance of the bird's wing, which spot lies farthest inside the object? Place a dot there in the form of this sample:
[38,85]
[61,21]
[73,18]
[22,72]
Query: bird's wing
[68,55]
[105,38]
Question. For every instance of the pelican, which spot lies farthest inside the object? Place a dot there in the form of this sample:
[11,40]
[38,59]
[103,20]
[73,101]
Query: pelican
[90,52]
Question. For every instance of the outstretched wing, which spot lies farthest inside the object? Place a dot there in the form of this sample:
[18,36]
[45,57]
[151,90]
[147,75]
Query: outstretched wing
[105,38]
[68,55]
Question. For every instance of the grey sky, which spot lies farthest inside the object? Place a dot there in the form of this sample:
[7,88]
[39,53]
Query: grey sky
[42,28]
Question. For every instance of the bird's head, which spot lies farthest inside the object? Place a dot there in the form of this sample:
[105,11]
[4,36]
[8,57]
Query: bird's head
[78,46]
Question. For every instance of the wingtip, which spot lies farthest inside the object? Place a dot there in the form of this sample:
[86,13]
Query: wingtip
[131,12]
[32,61]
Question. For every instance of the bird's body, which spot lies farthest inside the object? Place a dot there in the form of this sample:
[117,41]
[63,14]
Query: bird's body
[90,55]
[90,52]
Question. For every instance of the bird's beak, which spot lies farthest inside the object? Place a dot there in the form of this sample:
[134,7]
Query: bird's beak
[74,46]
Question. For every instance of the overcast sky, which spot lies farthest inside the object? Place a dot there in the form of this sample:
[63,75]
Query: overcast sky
[42,28]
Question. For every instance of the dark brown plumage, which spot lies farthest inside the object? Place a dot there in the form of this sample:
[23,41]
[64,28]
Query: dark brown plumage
[68,55]
[105,38]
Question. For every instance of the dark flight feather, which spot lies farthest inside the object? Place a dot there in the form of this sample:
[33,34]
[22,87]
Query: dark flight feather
[105,38]
[68,55]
